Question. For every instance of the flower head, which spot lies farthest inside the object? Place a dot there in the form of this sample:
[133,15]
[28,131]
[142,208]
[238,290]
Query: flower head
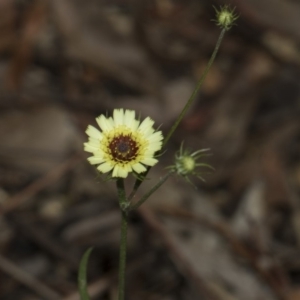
[124,144]
[186,163]
[226,17]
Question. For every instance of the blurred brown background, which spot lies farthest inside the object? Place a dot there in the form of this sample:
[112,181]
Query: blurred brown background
[64,62]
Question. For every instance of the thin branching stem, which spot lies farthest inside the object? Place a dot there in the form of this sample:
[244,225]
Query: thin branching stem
[151,191]
[200,82]
[138,182]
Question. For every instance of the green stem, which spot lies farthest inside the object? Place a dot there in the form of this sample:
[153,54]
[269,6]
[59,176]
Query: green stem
[122,259]
[186,107]
[123,243]
[137,184]
[121,194]
[200,82]
[151,191]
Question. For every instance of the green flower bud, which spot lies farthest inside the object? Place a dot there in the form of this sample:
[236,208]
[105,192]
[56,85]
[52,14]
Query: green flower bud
[225,17]
[187,163]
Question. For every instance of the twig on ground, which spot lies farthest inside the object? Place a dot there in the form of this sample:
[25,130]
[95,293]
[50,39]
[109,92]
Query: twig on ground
[279,288]
[31,190]
[27,279]
[179,260]
[24,49]
[49,245]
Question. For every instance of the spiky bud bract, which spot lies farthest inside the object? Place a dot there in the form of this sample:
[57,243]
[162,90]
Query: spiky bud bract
[187,163]
[225,17]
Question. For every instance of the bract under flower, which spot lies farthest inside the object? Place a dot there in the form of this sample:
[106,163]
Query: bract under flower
[124,144]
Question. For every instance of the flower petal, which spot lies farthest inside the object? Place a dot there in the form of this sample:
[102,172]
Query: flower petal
[153,147]
[139,168]
[89,148]
[128,168]
[129,119]
[155,137]
[105,167]
[149,161]
[92,132]
[146,126]
[104,123]
[118,117]
[94,143]
[119,171]
[95,160]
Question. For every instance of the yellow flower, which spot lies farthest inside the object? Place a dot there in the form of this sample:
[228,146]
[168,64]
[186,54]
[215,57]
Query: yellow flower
[124,144]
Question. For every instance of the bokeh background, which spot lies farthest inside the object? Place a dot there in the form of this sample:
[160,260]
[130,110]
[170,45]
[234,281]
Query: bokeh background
[234,237]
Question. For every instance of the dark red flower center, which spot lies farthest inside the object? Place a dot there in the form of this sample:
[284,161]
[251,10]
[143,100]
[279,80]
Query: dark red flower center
[123,148]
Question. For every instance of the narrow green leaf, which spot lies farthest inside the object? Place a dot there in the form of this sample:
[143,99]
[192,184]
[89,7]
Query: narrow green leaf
[82,283]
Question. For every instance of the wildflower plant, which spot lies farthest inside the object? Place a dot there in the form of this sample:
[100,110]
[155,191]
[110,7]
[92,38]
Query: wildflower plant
[125,145]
